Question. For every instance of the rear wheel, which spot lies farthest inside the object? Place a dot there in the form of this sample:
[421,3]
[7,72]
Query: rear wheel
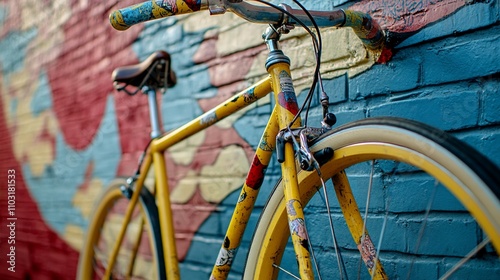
[140,255]
[398,200]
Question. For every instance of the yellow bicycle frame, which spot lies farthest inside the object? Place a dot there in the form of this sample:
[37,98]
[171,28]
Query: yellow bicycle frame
[280,82]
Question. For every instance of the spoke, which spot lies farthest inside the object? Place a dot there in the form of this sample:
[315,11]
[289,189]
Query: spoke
[340,261]
[382,233]
[422,228]
[313,255]
[285,271]
[466,258]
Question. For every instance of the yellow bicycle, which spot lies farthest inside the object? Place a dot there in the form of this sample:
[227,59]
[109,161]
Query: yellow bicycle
[313,226]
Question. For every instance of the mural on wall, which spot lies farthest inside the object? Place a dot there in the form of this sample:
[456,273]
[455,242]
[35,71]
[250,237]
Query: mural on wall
[67,133]
[410,15]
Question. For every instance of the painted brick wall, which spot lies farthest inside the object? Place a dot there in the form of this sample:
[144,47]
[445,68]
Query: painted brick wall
[66,133]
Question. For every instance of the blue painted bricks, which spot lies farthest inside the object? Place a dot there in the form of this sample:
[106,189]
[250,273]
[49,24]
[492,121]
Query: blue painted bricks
[446,75]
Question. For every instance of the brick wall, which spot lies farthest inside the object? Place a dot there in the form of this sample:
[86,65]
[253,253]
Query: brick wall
[67,134]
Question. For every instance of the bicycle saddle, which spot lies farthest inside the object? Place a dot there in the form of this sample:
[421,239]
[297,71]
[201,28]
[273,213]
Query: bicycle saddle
[151,72]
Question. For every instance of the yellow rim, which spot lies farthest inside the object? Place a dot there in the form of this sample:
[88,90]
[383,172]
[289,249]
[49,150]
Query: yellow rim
[108,200]
[275,241]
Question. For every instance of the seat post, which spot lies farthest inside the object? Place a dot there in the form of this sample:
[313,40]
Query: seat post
[154,113]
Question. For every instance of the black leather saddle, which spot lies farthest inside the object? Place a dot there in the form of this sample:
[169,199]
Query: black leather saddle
[154,72]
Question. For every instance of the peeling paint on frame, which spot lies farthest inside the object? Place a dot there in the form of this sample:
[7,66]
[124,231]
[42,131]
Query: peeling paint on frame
[209,119]
[225,256]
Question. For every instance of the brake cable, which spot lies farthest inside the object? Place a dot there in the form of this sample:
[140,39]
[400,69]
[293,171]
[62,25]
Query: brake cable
[317,46]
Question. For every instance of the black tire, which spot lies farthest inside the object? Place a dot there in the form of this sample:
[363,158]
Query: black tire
[148,263]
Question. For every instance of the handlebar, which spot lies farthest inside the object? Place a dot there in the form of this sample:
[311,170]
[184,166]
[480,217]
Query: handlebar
[154,9]
[363,25]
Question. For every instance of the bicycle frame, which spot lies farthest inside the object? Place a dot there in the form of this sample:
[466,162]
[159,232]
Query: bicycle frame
[279,81]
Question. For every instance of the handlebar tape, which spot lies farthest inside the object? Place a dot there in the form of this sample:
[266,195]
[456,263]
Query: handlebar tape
[367,29]
[154,9]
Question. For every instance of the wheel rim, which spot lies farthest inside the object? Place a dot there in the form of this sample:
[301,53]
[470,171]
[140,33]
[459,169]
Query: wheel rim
[345,157]
[136,242]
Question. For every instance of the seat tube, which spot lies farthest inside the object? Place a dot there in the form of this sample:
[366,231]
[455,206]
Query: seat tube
[154,113]
[278,66]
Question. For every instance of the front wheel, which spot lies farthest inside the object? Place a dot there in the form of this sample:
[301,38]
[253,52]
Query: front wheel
[140,255]
[399,199]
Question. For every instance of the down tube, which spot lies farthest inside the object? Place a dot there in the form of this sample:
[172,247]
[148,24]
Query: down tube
[247,198]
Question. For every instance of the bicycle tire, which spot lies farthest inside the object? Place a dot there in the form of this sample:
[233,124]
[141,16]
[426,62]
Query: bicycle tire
[473,178]
[147,263]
